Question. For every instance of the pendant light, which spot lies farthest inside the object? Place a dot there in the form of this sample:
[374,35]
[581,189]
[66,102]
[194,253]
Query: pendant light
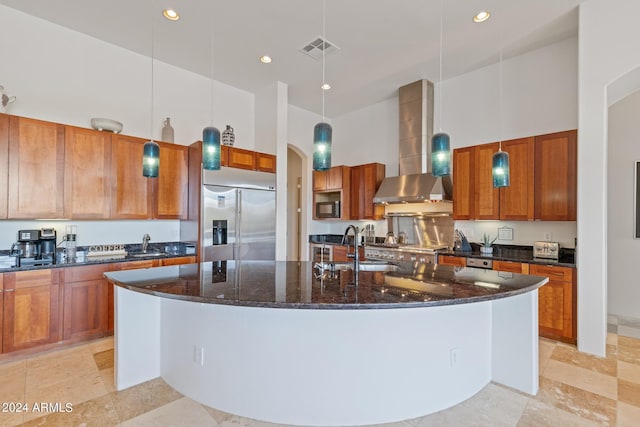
[211,135]
[440,147]
[500,160]
[151,150]
[322,131]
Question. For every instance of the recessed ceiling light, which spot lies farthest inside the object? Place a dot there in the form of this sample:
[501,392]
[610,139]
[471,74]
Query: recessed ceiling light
[265,59]
[481,16]
[171,14]
[326,86]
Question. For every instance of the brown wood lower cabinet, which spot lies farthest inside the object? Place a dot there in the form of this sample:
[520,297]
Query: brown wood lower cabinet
[452,260]
[557,303]
[85,302]
[31,309]
[178,261]
[340,253]
[511,266]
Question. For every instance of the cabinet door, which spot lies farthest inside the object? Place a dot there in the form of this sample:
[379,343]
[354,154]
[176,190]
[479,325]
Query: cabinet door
[170,195]
[511,266]
[130,191]
[340,253]
[85,306]
[452,260]
[242,159]
[178,261]
[338,177]
[320,180]
[517,200]
[463,193]
[372,176]
[4,165]
[487,198]
[555,176]
[266,162]
[36,169]
[87,180]
[556,303]
[31,309]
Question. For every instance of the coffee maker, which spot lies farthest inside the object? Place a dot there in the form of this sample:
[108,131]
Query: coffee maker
[35,247]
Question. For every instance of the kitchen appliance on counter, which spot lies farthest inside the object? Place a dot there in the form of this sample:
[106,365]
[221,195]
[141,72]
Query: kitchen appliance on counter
[546,250]
[487,264]
[238,215]
[35,247]
[328,209]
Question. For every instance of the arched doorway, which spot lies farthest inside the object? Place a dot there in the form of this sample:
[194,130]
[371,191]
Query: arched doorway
[296,221]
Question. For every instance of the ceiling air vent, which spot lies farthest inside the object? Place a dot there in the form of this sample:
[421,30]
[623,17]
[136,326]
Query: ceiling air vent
[314,48]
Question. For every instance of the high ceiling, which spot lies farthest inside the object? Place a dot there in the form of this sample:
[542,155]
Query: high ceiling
[383,44]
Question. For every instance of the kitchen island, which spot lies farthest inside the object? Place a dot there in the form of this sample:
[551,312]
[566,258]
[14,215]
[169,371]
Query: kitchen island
[288,343]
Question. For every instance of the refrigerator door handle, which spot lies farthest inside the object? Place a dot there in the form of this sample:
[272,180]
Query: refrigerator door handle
[238,223]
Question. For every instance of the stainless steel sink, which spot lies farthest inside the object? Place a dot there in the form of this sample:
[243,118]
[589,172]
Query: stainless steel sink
[146,254]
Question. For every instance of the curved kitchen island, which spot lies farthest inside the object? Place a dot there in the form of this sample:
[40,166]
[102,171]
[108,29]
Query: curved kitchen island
[286,343]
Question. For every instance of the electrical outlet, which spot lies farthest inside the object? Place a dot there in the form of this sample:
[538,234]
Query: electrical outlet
[454,354]
[547,236]
[198,355]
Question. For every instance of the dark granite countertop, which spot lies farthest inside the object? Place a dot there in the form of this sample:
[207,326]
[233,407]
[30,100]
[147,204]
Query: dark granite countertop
[289,284]
[167,250]
[517,254]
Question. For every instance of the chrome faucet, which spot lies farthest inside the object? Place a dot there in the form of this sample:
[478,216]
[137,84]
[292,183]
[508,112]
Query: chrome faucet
[145,242]
[356,253]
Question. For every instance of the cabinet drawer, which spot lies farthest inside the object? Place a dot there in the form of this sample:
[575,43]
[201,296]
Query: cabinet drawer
[30,279]
[179,261]
[82,273]
[511,266]
[134,265]
[452,260]
[557,274]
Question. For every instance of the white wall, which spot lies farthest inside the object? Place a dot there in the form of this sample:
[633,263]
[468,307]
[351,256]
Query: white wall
[608,49]
[63,76]
[623,248]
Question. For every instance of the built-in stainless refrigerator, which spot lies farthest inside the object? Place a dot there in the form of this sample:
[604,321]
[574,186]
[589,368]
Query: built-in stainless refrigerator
[238,215]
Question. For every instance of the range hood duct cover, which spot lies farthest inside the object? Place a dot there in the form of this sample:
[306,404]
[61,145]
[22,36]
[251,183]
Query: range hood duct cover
[415,184]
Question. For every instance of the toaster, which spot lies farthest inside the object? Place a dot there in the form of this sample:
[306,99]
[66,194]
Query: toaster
[546,250]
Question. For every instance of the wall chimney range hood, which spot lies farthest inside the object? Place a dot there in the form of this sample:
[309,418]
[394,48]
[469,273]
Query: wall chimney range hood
[415,184]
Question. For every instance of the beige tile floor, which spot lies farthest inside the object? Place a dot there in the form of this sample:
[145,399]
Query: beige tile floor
[575,390]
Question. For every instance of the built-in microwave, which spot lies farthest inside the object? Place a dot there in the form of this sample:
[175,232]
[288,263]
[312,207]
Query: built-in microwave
[328,209]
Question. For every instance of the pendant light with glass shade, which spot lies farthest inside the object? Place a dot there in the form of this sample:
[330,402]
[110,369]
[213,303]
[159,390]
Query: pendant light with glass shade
[211,135]
[500,160]
[151,150]
[322,131]
[440,146]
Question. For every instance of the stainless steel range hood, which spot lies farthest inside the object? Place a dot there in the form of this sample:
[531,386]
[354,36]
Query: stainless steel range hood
[415,184]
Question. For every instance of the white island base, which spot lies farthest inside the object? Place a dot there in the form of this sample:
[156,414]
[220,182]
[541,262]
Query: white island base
[327,367]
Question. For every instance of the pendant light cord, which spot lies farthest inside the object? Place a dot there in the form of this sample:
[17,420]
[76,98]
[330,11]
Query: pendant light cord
[500,103]
[441,85]
[212,63]
[152,46]
[324,46]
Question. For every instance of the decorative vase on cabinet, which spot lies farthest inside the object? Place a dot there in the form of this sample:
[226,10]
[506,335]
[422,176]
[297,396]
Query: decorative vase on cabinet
[167,131]
[228,137]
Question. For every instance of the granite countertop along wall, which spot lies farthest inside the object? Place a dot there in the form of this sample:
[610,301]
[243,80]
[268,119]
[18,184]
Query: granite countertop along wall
[517,254]
[258,284]
[166,250]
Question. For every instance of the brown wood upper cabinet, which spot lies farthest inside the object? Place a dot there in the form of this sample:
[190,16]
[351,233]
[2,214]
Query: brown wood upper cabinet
[555,176]
[170,188]
[486,197]
[463,192]
[365,181]
[87,183]
[543,180]
[246,159]
[4,161]
[335,178]
[31,309]
[265,162]
[516,201]
[36,169]
[131,192]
